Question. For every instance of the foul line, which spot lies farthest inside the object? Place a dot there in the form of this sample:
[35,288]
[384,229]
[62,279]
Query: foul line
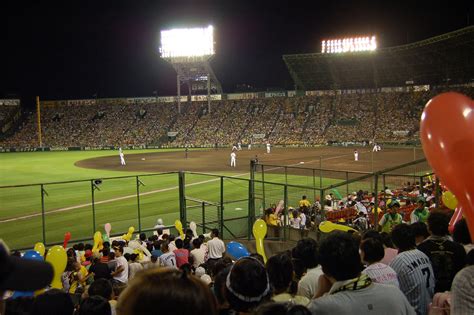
[146,193]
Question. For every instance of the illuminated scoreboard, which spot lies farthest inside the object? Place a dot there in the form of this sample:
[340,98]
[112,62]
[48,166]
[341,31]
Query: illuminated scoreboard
[349,44]
[187,42]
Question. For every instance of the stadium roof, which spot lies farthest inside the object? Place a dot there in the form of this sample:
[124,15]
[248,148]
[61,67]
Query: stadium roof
[447,58]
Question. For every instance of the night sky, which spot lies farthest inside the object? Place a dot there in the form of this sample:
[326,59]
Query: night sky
[76,49]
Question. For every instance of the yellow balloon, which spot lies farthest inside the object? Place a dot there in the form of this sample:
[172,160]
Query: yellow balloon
[39,247]
[328,226]
[179,226]
[98,242]
[450,200]
[259,231]
[129,234]
[58,258]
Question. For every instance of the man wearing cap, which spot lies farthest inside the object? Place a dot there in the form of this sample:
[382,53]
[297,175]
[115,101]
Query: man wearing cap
[420,214]
[392,218]
[19,274]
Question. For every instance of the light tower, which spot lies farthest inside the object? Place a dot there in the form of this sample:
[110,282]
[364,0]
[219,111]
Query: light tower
[189,51]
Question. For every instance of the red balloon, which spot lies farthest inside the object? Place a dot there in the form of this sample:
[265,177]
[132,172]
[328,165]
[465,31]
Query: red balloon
[67,237]
[457,216]
[447,135]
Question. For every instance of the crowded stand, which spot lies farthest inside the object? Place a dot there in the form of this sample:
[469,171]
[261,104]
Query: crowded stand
[382,116]
[341,273]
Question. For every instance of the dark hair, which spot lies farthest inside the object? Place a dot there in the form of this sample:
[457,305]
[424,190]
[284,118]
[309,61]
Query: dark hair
[119,248]
[101,287]
[105,251]
[282,309]
[196,243]
[219,285]
[80,246]
[19,306]
[247,285]
[373,250]
[420,229]
[438,223]
[182,294]
[372,234]
[306,250]
[304,197]
[88,246]
[258,257]
[215,232]
[54,302]
[470,258]
[179,243]
[461,232]
[95,305]
[339,256]
[280,272]
[403,237]
[387,239]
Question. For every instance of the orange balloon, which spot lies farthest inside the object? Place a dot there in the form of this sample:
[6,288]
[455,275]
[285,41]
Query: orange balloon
[447,135]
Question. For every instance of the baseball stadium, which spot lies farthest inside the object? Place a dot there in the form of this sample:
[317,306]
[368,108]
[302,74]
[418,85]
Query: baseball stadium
[348,139]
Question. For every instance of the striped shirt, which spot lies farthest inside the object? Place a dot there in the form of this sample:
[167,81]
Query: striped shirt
[381,273]
[462,299]
[416,278]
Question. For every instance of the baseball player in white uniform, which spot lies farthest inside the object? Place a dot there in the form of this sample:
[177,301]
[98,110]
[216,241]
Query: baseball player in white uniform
[239,146]
[268,148]
[376,147]
[234,147]
[232,159]
[122,159]
[356,155]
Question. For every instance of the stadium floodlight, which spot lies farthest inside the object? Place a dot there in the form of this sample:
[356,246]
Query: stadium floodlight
[187,42]
[349,44]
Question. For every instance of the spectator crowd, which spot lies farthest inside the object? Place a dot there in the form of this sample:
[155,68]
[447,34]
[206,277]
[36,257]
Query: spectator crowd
[299,120]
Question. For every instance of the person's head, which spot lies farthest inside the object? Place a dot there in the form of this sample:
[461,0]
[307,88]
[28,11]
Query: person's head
[247,285]
[118,251]
[438,223]
[420,203]
[371,234]
[159,231]
[142,237]
[219,287]
[393,207]
[167,292]
[461,233]
[112,255]
[215,233]
[306,250]
[274,308]
[280,272]
[339,256]
[164,247]
[133,257]
[303,197]
[403,237]
[101,287]
[386,239]
[94,305]
[371,251]
[105,252]
[420,230]
[80,246]
[196,243]
[179,243]
[54,302]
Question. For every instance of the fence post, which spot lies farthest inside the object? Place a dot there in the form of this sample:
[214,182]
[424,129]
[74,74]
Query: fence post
[376,202]
[285,202]
[263,188]
[347,184]
[43,223]
[93,205]
[221,209]
[251,206]
[321,172]
[138,204]
[286,175]
[203,205]
[182,197]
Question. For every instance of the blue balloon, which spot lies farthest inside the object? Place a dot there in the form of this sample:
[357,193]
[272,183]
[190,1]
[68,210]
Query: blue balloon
[18,294]
[32,255]
[237,250]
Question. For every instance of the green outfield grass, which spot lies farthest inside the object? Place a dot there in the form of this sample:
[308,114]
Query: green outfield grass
[68,205]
